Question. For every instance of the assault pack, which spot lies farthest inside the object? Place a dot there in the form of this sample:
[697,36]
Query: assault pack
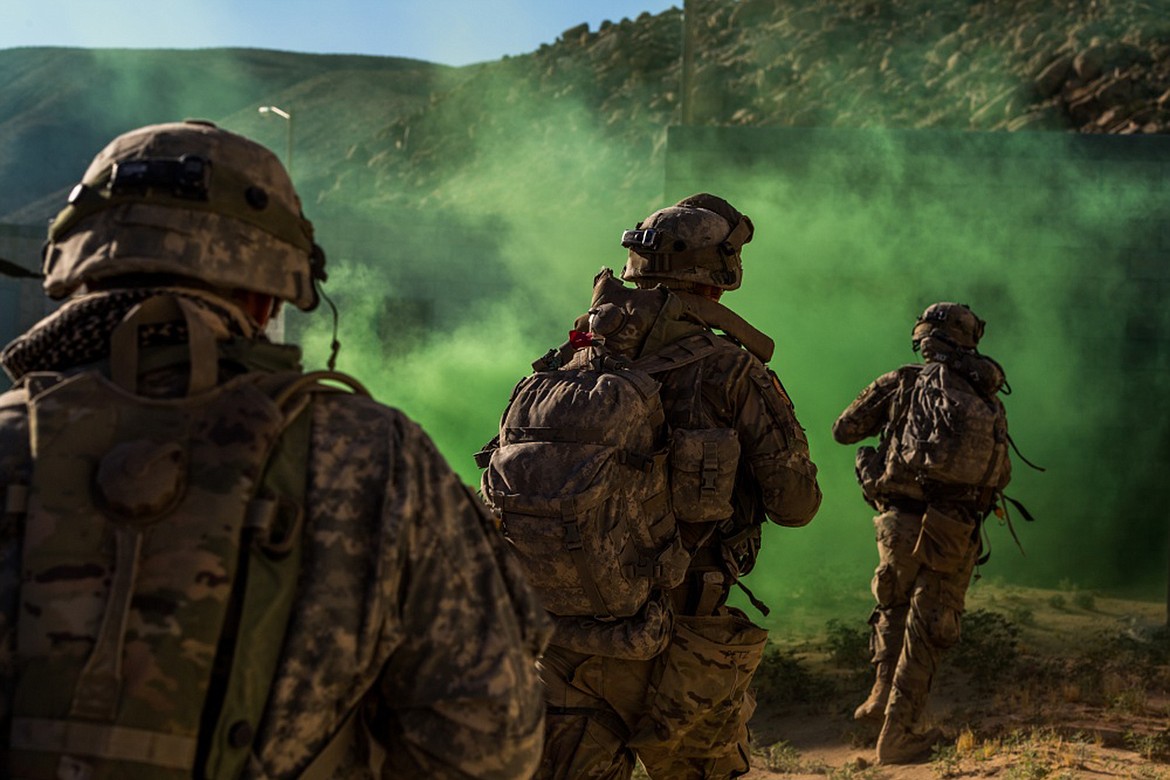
[947,436]
[954,434]
[587,477]
[158,564]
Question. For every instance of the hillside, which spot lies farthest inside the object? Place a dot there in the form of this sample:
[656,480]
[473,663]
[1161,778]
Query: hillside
[397,130]
[1002,65]
[59,106]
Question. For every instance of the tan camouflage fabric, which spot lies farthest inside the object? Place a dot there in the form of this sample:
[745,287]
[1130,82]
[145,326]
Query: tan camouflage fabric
[927,552]
[955,434]
[408,608]
[131,544]
[684,714]
[604,710]
[581,490]
[919,608]
[249,234]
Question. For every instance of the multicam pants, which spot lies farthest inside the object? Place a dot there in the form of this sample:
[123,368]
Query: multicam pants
[919,604]
[683,713]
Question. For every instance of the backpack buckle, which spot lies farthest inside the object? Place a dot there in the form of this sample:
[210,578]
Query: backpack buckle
[573,540]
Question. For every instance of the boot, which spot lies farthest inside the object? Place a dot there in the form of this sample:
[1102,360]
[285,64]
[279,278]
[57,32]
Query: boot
[873,709]
[897,744]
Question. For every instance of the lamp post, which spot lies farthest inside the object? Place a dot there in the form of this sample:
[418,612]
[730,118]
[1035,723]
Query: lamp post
[687,78]
[275,328]
[286,116]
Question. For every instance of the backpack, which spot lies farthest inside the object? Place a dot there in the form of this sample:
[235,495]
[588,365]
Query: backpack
[158,566]
[952,434]
[588,481]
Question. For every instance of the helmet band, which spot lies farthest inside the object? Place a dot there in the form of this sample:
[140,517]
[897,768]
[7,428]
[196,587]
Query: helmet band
[188,183]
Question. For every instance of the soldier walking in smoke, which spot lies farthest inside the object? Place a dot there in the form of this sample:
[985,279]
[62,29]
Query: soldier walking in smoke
[632,473]
[938,470]
[213,564]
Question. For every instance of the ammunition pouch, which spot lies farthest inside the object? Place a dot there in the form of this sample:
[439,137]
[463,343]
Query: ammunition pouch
[944,543]
[701,699]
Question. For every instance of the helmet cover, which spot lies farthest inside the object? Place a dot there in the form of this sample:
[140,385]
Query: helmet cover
[952,323]
[191,200]
[697,240]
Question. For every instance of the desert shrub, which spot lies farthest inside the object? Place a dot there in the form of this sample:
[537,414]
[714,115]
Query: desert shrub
[848,644]
[988,652]
[782,679]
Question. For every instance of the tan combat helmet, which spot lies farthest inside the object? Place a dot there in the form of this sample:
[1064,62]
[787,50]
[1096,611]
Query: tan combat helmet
[952,323]
[191,200]
[697,240]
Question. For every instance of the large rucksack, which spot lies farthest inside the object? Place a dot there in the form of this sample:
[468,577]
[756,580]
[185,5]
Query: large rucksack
[951,435]
[589,482]
[158,568]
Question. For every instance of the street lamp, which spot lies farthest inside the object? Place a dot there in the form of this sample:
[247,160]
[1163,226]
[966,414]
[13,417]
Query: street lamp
[286,116]
[275,328]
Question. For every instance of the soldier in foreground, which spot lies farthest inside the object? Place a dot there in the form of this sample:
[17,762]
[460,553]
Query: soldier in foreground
[633,472]
[213,564]
[938,470]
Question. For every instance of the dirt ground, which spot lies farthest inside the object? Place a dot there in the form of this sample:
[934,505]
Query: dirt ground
[1048,684]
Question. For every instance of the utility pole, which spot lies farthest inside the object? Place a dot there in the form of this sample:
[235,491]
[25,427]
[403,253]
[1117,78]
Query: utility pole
[688,62]
[288,118]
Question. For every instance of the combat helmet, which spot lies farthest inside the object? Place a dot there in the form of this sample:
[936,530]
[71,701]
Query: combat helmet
[189,200]
[954,324]
[697,240]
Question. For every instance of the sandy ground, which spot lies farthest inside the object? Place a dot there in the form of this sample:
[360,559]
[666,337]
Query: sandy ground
[1024,732]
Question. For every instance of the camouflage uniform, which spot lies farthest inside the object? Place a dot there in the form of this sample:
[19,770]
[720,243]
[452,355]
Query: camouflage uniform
[407,617]
[919,603]
[682,704]
[918,609]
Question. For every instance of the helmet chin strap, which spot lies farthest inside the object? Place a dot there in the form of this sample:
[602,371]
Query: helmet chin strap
[334,344]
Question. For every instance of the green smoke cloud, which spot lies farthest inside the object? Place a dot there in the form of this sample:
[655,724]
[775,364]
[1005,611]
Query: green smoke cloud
[1053,239]
[856,234]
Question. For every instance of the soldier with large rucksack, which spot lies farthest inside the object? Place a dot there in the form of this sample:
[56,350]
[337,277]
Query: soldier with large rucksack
[632,473]
[939,469]
[216,565]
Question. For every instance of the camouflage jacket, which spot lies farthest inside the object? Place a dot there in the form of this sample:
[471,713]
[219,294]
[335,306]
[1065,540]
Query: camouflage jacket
[733,388]
[872,411]
[407,605]
[886,479]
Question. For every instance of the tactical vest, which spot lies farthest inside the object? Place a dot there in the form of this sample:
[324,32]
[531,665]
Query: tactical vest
[161,547]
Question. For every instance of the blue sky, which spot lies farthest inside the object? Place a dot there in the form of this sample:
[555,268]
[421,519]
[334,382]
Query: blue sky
[454,32]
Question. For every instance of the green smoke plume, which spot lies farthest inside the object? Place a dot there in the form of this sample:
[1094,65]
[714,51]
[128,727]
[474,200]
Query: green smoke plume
[1053,239]
[856,233]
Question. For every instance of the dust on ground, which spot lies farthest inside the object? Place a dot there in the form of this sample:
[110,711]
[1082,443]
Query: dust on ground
[1054,684]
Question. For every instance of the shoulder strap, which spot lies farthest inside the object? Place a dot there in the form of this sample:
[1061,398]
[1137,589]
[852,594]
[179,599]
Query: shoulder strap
[679,353]
[270,561]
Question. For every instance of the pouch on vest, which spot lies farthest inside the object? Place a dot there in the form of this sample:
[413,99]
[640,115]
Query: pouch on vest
[868,467]
[703,464]
[944,543]
[701,699]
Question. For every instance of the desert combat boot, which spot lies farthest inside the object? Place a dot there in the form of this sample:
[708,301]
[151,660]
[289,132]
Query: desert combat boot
[898,744]
[873,709]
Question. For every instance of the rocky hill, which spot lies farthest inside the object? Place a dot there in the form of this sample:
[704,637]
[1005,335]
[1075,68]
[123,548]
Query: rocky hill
[400,131]
[1101,66]
[59,106]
